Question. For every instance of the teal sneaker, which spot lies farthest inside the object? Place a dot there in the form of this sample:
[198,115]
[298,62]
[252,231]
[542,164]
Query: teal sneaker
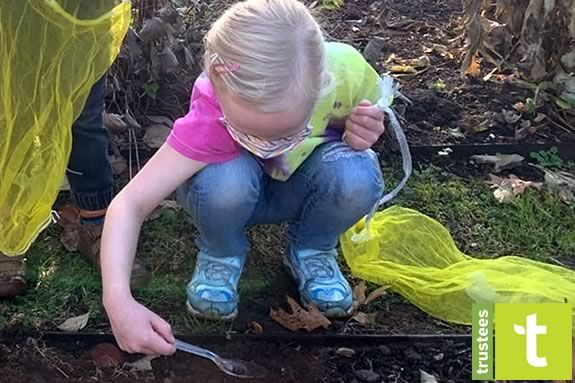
[213,289]
[320,282]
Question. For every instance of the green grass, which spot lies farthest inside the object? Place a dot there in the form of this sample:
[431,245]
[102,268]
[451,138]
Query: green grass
[536,225]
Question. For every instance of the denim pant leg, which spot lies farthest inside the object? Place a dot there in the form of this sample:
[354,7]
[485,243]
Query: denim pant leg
[343,185]
[89,171]
[334,188]
[220,200]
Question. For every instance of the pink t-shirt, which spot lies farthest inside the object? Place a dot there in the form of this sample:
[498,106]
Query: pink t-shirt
[200,134]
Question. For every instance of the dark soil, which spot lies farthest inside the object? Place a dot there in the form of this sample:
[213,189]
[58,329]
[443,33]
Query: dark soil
[33,361]
[465,110]
[28,360]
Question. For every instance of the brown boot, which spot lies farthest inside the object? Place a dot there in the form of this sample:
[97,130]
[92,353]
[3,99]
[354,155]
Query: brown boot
[89,246]
[12,280]
[86,240]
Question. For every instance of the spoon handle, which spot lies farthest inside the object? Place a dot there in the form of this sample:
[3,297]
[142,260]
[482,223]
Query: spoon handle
[199,351]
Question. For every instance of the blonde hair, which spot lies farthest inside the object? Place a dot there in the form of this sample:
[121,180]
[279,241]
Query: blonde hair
[278,51]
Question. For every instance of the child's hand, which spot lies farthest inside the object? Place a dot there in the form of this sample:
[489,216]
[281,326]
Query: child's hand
[139,330]
[364,126]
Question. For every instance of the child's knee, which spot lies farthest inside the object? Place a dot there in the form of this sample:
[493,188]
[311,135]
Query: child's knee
[223,187]
[352,178]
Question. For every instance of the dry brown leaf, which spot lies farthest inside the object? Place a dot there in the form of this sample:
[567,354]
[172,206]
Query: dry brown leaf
[156,135]
[506,189]
[562,183]
[256,328]
[359,293]
[114,123]
[419,63]
[474,69]
[363,318]
[300,319]
[75,323]
[407,69]
[376,294]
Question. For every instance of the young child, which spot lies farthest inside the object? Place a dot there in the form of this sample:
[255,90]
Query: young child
[279,128]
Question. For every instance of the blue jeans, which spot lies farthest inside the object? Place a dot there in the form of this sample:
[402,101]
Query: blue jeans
[330,191]
[89,171]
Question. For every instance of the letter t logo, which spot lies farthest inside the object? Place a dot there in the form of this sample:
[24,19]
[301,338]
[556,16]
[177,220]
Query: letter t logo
[531,330]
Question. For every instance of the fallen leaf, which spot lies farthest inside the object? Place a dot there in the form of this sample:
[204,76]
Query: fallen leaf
[156,135]
[169,60]
[419,63]
[144,364]
[510,117]
[119,164]
[562,183]
[165,205]
[160,120]
[473,70]
[300,318]
[363,318]
[506,189]
[359,293]
[131,122]
[69,222]
[106,355]
[368,376]
[408,69]
[540,117]
[427,378]
[441,49]
[519,106]
[256,328]
[75,323]
[153,29]
[456,132]
[114,123]
[501,161]
[482,126]
[525,124]
[345,352]
[525,130]
[503,193]
[376,294]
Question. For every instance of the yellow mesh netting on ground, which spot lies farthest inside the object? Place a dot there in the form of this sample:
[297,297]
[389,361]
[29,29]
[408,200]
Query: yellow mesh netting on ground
[51,53]
[417,257]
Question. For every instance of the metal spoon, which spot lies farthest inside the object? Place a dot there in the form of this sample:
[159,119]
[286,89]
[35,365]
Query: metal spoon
[233,367]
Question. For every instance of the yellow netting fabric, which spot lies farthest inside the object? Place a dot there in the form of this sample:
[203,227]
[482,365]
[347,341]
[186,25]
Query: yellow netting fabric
[51,53]
[417,257]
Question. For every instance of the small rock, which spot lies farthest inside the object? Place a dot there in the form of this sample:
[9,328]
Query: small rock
[427,377]
[106,355]
[438,357]
[384,350]
[412,354]
[367,376]
[345,352]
